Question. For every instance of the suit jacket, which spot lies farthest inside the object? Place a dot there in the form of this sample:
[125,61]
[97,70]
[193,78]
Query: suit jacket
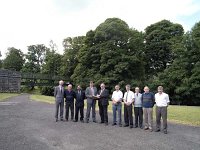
[80,98]
[58,94]
[104,97]
[88,94]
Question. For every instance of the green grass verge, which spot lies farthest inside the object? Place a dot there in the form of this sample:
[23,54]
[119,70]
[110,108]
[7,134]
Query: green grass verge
[43,98]
[189,115]
[4,96]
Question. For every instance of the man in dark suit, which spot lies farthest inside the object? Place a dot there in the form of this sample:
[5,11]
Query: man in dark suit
[59,100]
[79,105]
[90,93]
[103,103]
[69,99]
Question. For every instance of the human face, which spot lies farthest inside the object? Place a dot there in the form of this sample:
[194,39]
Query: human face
[91,84]
[102,86]
[160,90]
[137,90]
[69,87]
[127,88]
[61,82]
[117,88]
[146,89]
[79,87]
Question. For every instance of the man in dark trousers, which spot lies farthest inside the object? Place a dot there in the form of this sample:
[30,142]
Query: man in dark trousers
[90,94]
[59,100]
[103,95]
[69,99]
[128,100]
[79,105]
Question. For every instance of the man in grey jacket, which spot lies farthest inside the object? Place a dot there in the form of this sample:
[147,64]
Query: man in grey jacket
[59,100]
[90,94]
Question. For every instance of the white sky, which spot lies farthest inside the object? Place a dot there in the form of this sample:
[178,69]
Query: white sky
[29,22]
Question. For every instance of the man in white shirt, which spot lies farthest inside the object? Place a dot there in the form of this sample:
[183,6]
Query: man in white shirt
[117,105]
[162,102]
[128,113]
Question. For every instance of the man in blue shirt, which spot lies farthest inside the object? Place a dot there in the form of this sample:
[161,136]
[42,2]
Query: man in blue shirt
[148,103]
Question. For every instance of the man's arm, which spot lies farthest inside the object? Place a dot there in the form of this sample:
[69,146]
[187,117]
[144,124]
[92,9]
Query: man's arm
[87,93]
[55,91]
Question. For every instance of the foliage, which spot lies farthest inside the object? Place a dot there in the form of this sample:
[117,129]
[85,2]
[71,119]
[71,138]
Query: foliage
[35,58]
[161,41]
[47,90]
[14,59]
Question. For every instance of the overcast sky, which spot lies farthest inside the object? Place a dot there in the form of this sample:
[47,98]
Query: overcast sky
[29,22]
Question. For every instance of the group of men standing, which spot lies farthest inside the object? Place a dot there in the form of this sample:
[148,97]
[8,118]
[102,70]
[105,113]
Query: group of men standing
[143,105]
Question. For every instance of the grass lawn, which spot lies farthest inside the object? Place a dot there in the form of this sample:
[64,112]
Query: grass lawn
[4,96]
[189,115]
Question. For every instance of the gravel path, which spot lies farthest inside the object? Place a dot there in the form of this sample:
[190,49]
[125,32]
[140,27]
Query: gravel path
[30,125]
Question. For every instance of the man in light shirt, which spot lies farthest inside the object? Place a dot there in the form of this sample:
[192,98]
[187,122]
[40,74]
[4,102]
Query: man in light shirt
[117,105]
[162,102]
[128,113]
[138,108]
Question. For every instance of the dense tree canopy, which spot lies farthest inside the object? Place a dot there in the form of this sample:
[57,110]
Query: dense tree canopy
[14,59]
[108,55]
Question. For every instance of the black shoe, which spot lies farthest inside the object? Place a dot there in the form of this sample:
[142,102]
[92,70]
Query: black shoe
[157,130]
[165,132]
[120,125]
[114,124]
[131,126]
[75,121]
[94,121]
[135,126]
[101,122]
[56,120]
[61,119]
[126,125]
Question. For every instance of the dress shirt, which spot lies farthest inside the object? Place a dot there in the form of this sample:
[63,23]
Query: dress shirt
[129,96]
[117,96]
[161,99]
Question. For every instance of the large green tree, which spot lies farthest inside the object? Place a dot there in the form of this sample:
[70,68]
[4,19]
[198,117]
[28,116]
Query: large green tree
[182,77]
[109,55]
[52,61]
[161,42]
[35,58]
[14,59]
[70,58]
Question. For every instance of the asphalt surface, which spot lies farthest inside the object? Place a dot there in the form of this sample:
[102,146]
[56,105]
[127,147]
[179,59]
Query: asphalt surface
[30,125]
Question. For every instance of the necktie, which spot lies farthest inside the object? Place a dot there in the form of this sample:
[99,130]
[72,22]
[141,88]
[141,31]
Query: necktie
[137,94]
[126,96]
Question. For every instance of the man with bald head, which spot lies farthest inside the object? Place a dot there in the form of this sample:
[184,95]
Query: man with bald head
[59,100]
[148,103]
[69,99]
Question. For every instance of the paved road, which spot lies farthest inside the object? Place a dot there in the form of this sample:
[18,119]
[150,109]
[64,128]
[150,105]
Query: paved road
[29,125]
